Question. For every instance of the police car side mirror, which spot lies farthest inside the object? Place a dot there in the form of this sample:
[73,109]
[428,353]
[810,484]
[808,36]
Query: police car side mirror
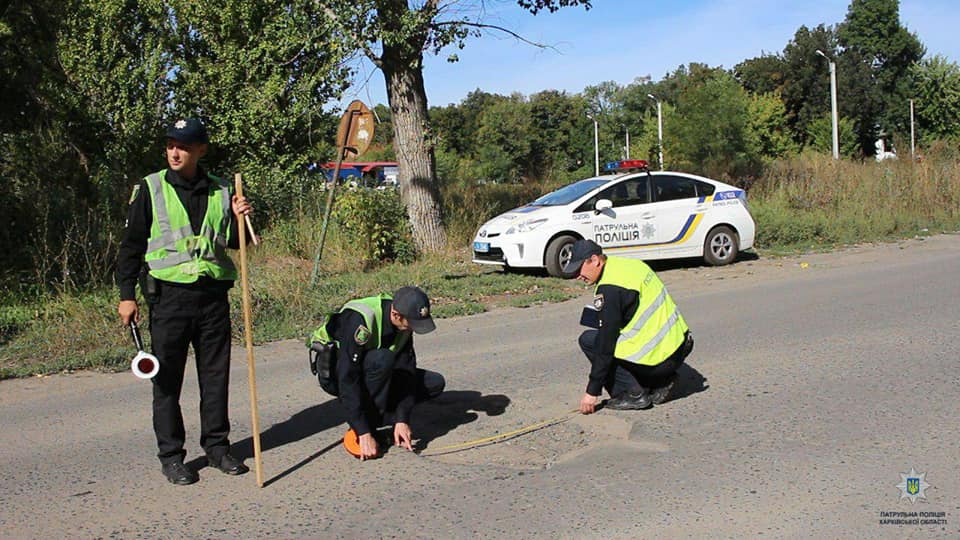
[603,204]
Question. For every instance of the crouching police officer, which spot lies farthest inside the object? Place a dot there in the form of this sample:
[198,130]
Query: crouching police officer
[640,339]
[180,222]
[364,355]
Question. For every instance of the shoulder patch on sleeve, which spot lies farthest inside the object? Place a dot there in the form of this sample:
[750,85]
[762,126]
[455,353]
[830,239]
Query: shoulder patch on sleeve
[598,302]
[362,335]
[133,195]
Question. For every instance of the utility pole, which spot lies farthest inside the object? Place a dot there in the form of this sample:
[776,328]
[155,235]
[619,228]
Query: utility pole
[659,128]
[913,154]
[833,104]
[596,145]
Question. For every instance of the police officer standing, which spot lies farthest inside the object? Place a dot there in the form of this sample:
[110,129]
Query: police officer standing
[179,224]
[373,365]
[640,338]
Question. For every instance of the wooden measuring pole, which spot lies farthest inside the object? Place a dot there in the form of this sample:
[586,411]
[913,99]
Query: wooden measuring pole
[248,333]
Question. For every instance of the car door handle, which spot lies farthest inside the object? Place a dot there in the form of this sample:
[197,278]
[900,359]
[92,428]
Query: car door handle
[646,215]
[701,208]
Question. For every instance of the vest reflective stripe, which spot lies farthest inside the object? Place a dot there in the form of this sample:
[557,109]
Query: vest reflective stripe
[644,317]
[169,238]
[657,329]
[371,309]
[648,346]
[362,308]
[174,252]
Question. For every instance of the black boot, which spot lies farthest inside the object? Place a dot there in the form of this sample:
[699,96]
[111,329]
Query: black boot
[630,401]
[228,464]
[178,473]
[661,394]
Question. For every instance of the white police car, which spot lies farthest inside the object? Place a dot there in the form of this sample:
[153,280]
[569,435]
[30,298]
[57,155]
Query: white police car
[633,213]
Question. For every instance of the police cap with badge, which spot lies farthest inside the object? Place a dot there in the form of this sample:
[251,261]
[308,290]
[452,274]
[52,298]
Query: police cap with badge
[414,305]
[188,130]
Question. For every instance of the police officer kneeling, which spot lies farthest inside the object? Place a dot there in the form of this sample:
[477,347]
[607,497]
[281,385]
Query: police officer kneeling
[364,354]
[640,339]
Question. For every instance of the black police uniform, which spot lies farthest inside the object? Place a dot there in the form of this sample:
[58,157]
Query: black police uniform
[619,376]
[180,315]
[378,385]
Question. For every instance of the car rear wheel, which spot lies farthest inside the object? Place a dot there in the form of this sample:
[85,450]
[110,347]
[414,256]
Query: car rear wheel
[721,246]
[558,254]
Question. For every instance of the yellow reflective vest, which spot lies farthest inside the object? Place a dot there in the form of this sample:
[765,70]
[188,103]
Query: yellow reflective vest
[174,252]
[371,308]
[657,329]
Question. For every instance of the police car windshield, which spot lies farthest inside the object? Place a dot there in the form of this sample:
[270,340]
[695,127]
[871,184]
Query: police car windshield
[568,194]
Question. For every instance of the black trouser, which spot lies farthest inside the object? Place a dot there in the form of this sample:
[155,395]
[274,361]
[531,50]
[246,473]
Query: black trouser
[378,373]
[180,317]
[627,376]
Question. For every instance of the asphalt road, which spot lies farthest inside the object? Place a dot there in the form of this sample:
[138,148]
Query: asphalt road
[816,381]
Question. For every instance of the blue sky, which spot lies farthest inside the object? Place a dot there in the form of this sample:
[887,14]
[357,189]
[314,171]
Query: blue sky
[620,40]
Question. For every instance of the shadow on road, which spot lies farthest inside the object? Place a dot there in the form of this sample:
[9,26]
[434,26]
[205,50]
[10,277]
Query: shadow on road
[697,262]
[301,425]
[689,382]
[449,410]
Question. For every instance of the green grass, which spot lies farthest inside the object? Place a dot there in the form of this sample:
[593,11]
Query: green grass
[813,202]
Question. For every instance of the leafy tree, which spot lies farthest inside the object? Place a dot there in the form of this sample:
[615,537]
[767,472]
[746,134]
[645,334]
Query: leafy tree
[559,142]
[504,140]
[67,143]
[260,72]
[645,144]
[713,129]
[768,126]
[820,136]
[937,103]
[872,31]
[806,89]
[394,35]
[762,75]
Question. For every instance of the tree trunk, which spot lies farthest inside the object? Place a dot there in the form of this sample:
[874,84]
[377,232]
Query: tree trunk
[418,178]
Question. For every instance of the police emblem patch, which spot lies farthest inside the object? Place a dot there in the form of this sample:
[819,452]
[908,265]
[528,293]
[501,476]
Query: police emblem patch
[133,195]
[180,124]
[424,312]
[362,335]
[598,302]
[913,485]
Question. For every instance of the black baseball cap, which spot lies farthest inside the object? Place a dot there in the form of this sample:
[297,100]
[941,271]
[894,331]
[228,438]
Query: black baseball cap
[582,250]
[414,305]
[188,130]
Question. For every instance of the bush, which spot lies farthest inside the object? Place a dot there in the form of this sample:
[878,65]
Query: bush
[376,223]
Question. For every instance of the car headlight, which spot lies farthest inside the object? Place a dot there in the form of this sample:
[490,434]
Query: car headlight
[526,226]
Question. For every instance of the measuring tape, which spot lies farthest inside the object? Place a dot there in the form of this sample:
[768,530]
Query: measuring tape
[449,449]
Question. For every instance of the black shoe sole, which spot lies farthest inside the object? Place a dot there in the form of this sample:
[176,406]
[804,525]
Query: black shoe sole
[182,481]
[234,472]
[627,407]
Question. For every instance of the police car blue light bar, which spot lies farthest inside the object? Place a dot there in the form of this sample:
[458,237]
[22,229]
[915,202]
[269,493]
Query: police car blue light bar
[626,165]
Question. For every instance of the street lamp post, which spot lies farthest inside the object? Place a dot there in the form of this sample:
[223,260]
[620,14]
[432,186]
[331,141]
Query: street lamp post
[596,145]
[659,128]
[912,145]
[628,141]
[833,104]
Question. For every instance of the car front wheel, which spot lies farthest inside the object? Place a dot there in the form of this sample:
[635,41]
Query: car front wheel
[558,254]
[721,246]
